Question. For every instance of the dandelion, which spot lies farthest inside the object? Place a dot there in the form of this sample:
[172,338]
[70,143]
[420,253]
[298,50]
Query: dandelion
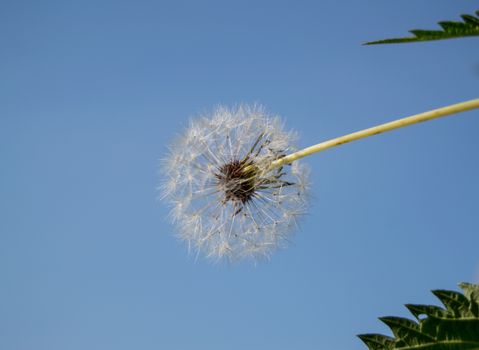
[234,182]
[226,201]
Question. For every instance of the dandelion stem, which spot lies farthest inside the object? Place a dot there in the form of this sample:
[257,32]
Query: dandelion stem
[396,124]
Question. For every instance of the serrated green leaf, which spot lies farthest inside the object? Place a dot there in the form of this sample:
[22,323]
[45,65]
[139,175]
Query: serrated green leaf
[471,291]
[377,341]
[406,330]
[450,30]
[426,310]
[470,19]
[456,303]
[454,328]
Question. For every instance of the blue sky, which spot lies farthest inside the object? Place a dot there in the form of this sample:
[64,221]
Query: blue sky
[91,94]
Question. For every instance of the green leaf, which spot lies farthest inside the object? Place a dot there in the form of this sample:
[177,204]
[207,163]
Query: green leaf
[456,303]
[377,341]
[450,30]
[406,330]
[471,291]
[454,328]
[427,310]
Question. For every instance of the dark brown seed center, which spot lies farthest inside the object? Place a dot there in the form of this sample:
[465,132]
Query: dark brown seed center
[237,180]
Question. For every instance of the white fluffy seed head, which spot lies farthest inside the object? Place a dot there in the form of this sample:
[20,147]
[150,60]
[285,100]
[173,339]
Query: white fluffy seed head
[225,201]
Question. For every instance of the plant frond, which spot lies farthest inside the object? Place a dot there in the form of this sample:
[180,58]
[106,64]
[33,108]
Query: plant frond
[450,30]
[455,327]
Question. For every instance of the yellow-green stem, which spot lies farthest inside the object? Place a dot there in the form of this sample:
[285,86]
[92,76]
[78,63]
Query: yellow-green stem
[399,123]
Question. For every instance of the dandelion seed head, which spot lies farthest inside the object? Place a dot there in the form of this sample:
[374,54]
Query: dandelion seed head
[225,199]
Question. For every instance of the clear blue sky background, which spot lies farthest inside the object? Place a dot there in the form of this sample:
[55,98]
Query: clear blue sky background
[91,92]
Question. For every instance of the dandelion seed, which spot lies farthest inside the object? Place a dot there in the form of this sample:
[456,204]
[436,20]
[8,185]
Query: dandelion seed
[226,201]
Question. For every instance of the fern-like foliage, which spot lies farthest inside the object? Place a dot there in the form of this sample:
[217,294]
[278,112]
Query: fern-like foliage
[450,30]
[454,328]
